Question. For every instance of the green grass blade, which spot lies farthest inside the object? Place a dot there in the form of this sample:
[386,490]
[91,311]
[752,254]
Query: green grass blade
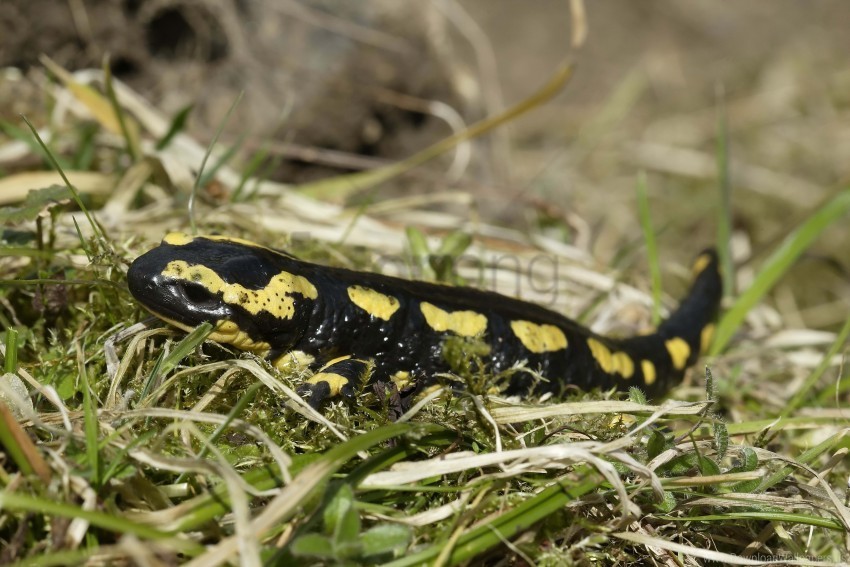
[22,135]
[11,362]
[153,375]
[807,457]
[779,262]
[243,401]
[83,244]
[185,347]
[724,210]
[15,501]
[834,393]
[651,247]
[49,281]
[800,395]
[130,138]
[310,478]
[20,252]
[225,157]
[70,557]
[178,124]
[234,412]
[205,508]
[166,363]
[804,519]
[118,460]
[258,158]
[756,426]
[84,156]
[207,154]
[493,533]
[94,226]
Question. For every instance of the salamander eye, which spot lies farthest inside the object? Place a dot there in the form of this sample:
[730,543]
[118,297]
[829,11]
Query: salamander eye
[196,294]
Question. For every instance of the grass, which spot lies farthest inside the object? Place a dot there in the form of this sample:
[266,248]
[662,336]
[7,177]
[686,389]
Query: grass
[149,444]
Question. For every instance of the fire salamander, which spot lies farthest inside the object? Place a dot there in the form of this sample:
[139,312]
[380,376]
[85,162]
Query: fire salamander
[350,327]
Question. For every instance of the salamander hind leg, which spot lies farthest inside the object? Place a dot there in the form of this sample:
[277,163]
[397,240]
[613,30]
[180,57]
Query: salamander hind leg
[342,376]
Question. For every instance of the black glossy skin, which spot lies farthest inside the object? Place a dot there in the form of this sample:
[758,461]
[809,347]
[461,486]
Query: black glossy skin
[332,326]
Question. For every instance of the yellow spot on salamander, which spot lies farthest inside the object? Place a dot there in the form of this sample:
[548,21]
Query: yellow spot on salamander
[706,337]
[602,355]
[463,323]
[401,379]
[648,371]
[276,298]
[611,363]
[623,364]
[373,302]
[229,333]
[539,338]
[679,352]
[621,420]
[700,264]
[335,381]
[334,361]
[177,238]
[293,360]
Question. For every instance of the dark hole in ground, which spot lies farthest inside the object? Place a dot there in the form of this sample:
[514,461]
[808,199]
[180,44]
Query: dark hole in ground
[171,35]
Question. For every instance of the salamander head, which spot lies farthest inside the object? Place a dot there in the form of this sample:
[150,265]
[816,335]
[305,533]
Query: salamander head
[244,289]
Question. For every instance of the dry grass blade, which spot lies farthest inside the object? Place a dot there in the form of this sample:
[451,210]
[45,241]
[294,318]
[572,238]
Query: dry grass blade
[20,447]
[99,106]
[519,413]
[14,188]
[724,558]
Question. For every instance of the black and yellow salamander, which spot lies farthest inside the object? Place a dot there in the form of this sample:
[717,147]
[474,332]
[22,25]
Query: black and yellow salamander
[345,324]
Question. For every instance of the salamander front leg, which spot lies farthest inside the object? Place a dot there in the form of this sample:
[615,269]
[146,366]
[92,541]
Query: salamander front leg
[341,376]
